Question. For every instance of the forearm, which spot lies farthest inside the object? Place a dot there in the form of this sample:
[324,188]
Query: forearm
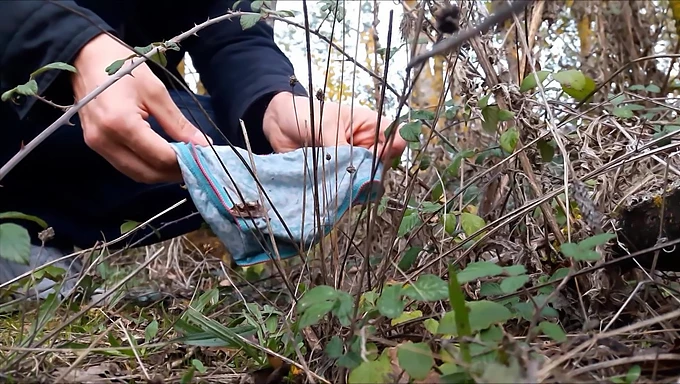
[242,69]
[36,33]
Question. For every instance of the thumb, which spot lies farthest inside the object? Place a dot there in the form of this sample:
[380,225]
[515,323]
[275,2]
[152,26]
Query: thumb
[174,123]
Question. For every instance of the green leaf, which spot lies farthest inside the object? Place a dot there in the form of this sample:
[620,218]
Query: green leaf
[547,150]
[151,331]
[128,226]
[427,288]
[529,82]
[576,252]
[28,89]
[490,115]
[56,65]
[509,140]
[571,78]
[485,313]
[482,314]
[143,50]
[484,101]
[513,283]
[490,289]
[505,115]
[344,308]
[594,241]
[411,131]
[198,365]
[553,331]
[248,21]
[471,223]
[653,88]
[334,347]
[514,270]
[623,113]
[478,270]
[570,250]
[616,100]
[159,58]
[431,325]
[559,274]
[637,87]
[12,215]
[580,95]
[415,358]
[316,295]
[406,316]
[313,314]
[408,223]
[115,66]
[633,374]
[461,318]
[422,115]
[450,222]
[7,94]
[390,303]
[15,243]
[409,258]
[375,371]
[256,5]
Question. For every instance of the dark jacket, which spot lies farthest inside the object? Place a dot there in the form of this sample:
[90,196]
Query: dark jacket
[240,69]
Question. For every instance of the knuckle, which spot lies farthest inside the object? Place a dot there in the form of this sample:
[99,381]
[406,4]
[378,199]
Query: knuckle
[93,138]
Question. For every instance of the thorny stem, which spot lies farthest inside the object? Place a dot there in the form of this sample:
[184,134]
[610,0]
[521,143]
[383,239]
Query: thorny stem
[64,119]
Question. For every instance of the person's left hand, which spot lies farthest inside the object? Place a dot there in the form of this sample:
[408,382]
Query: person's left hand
[340,126]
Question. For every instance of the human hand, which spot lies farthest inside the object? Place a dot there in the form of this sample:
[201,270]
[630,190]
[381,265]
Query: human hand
[280,126]
[114,123]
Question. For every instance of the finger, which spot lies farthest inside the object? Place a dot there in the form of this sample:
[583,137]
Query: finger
[161,106]
[128,163]
[136,134]
[395,144]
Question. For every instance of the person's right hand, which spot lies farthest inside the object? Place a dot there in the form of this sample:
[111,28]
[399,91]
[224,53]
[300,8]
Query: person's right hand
[114,123]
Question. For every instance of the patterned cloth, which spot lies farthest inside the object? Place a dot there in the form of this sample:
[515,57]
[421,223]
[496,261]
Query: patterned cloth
[283,206]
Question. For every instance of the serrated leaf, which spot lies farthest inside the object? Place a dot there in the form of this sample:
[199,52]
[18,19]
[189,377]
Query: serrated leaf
[427,288]
[334,347]
[256,5]
[408,223]
[128,226]
[513,283]
[547,150]
[471,223]
[529,82]
[409,258]
[248,21]
[416,359]
[28,89]
[115,67]
[15,243]
[390,303]
[594,241]
[316,295]
[509,140]
[553,331]
[478,270]
[571,78]
[490,115]
[411,131]
[56,65]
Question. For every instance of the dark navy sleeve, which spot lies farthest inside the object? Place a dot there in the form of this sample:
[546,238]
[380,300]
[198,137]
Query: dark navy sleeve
[38,32]
[241,69]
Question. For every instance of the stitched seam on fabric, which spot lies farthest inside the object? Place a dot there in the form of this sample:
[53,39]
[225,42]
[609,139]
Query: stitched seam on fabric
[216,192]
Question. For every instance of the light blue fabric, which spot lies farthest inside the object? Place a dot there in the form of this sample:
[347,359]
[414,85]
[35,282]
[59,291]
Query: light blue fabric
[287,184]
